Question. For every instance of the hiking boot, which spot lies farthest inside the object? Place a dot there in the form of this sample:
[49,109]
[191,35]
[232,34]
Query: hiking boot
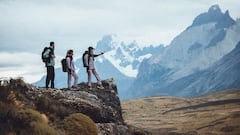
[90,87]
[100,87]
[74,87]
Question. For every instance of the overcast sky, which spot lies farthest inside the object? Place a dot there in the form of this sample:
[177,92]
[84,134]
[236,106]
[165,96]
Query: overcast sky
[26,26]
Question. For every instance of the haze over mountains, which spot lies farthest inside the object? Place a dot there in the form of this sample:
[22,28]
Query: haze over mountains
[199,48]
[202,58]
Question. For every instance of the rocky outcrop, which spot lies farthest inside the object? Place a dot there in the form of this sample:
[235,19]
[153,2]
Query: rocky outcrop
[102,106]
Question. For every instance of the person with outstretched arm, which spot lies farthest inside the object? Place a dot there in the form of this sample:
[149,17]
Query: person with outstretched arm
[91,69]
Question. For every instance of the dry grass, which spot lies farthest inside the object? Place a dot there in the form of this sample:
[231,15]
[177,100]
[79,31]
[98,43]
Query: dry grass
[218,113]
[43,115]
[79,124]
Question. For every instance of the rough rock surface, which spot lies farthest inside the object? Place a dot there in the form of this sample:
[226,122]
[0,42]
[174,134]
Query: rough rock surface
[102,106]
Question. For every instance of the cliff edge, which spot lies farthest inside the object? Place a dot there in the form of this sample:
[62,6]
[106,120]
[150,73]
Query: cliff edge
[25,108]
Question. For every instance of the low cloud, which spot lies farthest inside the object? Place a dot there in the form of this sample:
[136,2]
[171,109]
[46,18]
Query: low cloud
[19,59]
[25,65]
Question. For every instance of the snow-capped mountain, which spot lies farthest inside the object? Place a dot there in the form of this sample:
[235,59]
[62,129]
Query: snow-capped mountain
[211,36]
[184,68]
[120,61]
[125,57]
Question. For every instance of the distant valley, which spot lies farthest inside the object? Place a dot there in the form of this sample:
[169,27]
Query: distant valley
[213,114]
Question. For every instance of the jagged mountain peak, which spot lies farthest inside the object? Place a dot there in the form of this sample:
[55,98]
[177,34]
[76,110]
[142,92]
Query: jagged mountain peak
[214,15]
[121,61]
[212,35]
[125,56]
[106,43]
[214,9]
[133,46]
[113,42]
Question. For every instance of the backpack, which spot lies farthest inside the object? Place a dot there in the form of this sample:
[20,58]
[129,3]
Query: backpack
[85,59]
[64,65]
[45,59]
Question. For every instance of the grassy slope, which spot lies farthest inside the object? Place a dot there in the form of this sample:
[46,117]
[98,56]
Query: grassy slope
[216,113]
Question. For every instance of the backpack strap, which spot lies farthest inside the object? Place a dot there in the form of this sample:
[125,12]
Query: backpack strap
[85,64]
[70,60]
[51,51]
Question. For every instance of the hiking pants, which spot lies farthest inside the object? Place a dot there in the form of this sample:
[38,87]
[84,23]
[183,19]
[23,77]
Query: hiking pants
[90,71]
[50,76]
[74,75]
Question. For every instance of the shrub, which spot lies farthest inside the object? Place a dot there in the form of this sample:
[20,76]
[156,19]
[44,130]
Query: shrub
[9,96]
[43,103]
[30,121]
[4,92]
[23,122]
[51,106]
[6,111]
[79,124]
[42,129]
[26,116]
[14,120]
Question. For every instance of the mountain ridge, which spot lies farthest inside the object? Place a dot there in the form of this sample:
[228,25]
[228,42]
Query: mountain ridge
[214,14]
[194,50]
[149,70]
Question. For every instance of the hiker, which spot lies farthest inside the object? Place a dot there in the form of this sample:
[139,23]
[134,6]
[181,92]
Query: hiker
[92,69]
[71,70]
[49,63]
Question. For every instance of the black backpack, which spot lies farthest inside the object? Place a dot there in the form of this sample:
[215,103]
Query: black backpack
[64,65]
[85,59]
[46,59]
